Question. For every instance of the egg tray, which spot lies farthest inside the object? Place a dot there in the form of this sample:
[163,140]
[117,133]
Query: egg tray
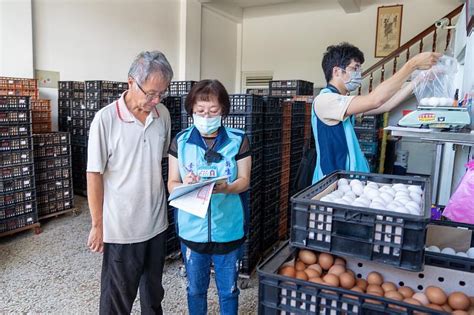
[279,294]
[383,236]
[454,262]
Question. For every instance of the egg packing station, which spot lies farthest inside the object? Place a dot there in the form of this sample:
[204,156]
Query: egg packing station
[438,104]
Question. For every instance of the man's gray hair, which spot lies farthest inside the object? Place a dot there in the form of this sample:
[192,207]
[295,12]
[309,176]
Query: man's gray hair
[149,62]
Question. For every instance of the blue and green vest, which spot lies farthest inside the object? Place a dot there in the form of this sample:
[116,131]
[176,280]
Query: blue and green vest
[224,221]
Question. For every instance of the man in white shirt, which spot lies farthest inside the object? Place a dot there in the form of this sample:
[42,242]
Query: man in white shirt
[125,188]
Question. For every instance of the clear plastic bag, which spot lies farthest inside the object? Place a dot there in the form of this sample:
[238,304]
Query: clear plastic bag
[435,86]
[460,207]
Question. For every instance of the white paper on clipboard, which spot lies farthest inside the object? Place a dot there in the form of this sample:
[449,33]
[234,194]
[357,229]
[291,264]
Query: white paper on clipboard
[187,188]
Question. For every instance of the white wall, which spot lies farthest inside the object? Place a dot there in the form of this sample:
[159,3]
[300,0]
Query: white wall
[16,39]
[291,39]
[97,40]
[219,48]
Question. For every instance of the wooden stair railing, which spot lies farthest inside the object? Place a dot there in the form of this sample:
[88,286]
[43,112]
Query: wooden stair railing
[395,56]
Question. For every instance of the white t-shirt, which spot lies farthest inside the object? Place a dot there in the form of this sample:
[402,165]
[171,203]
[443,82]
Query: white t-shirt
[129,154]
[331,108]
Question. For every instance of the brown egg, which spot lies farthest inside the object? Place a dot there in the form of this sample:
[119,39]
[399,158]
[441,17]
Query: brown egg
[300,266]
[301,275]
[421,298]
[412,301]
[326,260]
[288,271]
[389,286]
[376,294]
[316,280]
[407,292]
[316,267]
[374,278]
[346,280]
[337,270]
[435,307]
[340,261]
[436,295]
[307,256]
[356,289]
[362,283]
[331,280]
[373,288]
[351,272]
[394,295]
[459,301]
[312,273]
[447,308]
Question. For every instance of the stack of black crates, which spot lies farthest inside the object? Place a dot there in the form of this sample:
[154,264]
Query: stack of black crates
[297,140]
[290,88]
[17,184]
[367,129]
[70,96]
[272,166]
[53,172]
[246,113]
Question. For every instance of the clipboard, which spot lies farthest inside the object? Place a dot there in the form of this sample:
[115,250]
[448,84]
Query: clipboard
[184,189]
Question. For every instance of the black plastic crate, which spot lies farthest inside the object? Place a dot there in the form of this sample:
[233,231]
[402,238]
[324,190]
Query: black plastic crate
[15,117]
[369,122]
[64,103]
[53,185]
[369,148]
[95,105]
[272,121]
[16,184]
[15,197]
[271,180]
[246,104]
[78,104]
[52,163]
[279,294]
[17,209]
[186,121]
[173,104]
[78,122]
[14,103]
[383,236]
[52,138]
[367,135]
[18,222]
[53,195]
[270,195]
[64,112]
[53,174]
[271,136]
[255,139]
[78,113]
[70,94]
[291,88]
[47,151]
[10,172]
[272,105]
[71,85]
[456,262]
[12,144]
[178,88]
[261,92]
[11,158]
[257,158]
[246,122]
[20,130]
[55,206]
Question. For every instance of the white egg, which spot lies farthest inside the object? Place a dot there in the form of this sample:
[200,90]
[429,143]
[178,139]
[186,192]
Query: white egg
[351,194]
[358,204]
[445,101]
[342,182]
[390,191]
[383,188]
[424,101]
[391,207]
[344,188]
[434,249]
[415,189]
[402,209]
[373,185]
[371,193]
[379,200]
[364,201]
[399,186]
[412,210]
[402,193]
[413,204]
[402,200]
[337,194]
[397,203]
[377,205]
[387,197]
[415,197]
[341,201]
[349,199]
[433,101]
[355,182]
[470,252]
[358,189]
[448,251]
[327,198]
[462,254]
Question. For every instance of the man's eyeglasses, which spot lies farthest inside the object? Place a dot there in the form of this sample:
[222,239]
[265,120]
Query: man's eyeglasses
[357,68]
[152,96]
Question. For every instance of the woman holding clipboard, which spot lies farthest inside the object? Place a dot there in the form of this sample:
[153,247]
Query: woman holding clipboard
[203,151]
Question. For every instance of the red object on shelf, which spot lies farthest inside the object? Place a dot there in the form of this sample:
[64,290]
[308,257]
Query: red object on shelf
[406,111]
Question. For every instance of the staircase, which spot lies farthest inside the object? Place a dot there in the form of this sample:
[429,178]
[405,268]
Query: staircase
[431,39]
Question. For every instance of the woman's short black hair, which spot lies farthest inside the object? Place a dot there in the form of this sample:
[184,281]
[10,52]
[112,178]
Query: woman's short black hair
[340,56]
[205,90]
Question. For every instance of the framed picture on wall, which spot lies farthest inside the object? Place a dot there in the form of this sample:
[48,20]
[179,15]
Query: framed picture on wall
[469,16]
[388,31]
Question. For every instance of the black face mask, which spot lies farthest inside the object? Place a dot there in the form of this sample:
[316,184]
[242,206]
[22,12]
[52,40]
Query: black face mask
[212,156]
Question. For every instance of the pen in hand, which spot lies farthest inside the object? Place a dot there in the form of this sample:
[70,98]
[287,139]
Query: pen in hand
[190,178]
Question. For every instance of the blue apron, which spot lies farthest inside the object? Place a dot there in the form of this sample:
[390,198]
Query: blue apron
[337,146]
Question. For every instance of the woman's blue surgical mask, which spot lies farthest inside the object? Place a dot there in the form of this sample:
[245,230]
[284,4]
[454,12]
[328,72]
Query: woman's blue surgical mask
[354,82]
[207,126]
